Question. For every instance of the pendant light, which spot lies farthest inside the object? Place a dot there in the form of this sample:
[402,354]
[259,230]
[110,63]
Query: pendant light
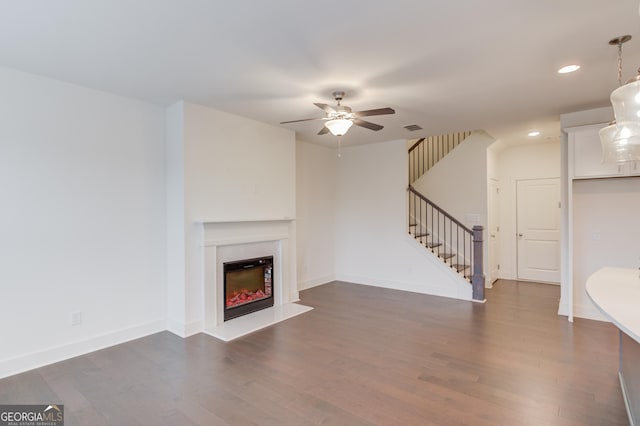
[621,139]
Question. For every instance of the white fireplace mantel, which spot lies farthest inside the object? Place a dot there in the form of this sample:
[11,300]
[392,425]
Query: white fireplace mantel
[229,240]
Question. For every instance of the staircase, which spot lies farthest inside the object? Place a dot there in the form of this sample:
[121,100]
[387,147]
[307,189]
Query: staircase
[426,152]
[440,233]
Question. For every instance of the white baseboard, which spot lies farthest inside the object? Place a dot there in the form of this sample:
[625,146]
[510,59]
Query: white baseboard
[433,290]
[60,353]
[184,330]
[314,282]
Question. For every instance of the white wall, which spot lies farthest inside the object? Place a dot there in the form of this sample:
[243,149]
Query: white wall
[527,161]
[234,169]
[493,165]
[81,220]
[605,232]
[372,242]
[175,207]
[316,187]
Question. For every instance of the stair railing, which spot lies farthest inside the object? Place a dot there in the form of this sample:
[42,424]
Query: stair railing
[454,243]
[426,152]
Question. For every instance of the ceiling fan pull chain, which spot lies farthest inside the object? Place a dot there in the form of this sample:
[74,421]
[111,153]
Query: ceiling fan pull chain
[339,146]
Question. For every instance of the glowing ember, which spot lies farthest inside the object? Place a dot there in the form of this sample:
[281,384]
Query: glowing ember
[244,296]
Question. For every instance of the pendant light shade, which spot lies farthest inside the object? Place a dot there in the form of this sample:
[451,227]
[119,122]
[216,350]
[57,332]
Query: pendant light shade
[621,142]
[621,139]
[339,126]
[626,101]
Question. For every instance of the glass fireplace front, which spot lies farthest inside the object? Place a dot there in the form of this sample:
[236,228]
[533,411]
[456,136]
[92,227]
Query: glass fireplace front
[248,286]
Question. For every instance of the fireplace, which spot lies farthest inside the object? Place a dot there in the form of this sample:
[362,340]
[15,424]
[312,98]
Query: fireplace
[248,286]
[225,242]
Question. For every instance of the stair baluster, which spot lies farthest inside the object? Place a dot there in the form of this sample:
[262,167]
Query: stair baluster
[426,152]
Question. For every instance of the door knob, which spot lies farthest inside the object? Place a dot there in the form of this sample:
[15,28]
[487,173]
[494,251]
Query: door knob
[520,235]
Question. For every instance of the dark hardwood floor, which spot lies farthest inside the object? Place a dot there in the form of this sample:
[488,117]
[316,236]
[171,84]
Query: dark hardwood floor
[365,355]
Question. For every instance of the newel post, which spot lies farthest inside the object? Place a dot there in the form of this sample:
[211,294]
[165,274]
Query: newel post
[477,275]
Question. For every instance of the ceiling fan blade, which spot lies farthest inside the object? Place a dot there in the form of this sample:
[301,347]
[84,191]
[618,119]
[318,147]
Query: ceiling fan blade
[304,119]
[370,112]
[326,108]
[367,124]
[323,131]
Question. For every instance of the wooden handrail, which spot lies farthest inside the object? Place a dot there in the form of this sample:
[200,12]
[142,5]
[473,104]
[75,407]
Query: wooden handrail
[440,210]
[416,144]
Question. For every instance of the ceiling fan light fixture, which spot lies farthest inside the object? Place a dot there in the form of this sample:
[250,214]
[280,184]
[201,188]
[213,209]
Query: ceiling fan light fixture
[338,126]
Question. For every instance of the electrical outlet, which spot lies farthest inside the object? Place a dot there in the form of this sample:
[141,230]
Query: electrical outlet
[76,318]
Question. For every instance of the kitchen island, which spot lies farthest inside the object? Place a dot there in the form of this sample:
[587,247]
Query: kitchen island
[616,292]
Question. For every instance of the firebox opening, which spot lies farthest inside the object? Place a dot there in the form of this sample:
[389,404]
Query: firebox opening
[248,286]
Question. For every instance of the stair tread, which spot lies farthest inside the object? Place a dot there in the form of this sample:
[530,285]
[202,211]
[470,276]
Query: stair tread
[460,266]
[433,245]
[421,235]
[446,255]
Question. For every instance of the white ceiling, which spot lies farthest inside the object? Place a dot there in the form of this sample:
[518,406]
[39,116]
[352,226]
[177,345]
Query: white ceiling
[445,65]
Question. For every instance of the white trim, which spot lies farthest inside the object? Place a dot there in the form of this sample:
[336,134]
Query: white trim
[244,240]
[264,219]
[51,355]
[314,282]
[569,235]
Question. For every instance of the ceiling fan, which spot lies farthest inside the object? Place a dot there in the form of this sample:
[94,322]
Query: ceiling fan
[340,118]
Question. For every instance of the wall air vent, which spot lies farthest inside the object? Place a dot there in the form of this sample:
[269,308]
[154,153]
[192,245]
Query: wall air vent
[413,127]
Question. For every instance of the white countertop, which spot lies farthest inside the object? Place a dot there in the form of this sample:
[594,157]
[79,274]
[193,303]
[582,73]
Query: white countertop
[616,292]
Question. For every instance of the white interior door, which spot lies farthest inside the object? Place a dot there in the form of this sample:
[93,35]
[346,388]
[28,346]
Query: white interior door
[538,224]
[494,228]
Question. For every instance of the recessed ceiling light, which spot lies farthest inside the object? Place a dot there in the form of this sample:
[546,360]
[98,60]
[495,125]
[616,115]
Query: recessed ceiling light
[533,134]
[568,68]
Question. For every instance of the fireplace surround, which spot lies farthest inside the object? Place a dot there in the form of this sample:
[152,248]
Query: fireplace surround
[230,241]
